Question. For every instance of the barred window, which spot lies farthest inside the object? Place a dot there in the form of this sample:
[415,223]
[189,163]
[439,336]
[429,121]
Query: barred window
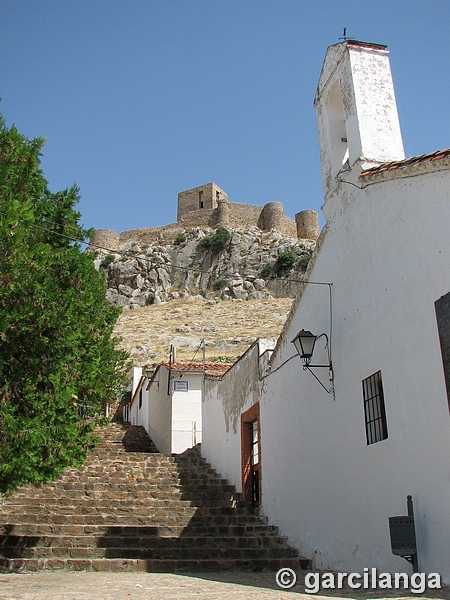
[374,410]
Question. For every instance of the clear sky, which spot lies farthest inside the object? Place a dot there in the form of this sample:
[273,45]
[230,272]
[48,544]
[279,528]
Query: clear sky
[141,99]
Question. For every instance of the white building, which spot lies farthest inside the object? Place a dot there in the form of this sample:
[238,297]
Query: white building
[334,466]
[168,403]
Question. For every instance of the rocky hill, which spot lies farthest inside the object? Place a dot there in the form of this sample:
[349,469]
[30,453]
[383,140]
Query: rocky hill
[227,288]
[249,265]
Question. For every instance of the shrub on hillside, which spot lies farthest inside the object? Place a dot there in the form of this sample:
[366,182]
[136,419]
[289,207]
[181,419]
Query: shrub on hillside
[304,261]
[267,271]
[219,284]
[180,238]
[284,263]
[216,242]
[109,258]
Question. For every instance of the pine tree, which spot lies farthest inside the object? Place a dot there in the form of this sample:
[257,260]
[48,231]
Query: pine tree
[59,361]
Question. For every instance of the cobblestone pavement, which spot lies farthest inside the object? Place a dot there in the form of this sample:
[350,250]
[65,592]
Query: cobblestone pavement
[168,586]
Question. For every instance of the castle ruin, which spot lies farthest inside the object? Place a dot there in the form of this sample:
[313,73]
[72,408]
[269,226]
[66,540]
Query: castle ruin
[207,206]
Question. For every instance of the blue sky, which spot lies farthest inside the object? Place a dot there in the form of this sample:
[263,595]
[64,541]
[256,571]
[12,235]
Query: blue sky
[140,100]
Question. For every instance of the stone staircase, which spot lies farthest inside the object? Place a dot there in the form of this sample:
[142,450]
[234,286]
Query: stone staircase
[130,508]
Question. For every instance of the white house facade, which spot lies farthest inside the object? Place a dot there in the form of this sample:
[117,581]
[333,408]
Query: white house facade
[168,403]
[338,457]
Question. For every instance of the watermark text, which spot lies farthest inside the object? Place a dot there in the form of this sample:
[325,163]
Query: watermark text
[417,583]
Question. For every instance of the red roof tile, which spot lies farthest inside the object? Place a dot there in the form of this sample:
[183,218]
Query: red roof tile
[407,162]
[211,368]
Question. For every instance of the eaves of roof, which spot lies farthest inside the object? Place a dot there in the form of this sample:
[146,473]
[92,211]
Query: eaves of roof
[398,165]
[211,368]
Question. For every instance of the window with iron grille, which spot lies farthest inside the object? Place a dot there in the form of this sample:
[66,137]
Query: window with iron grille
[374,410]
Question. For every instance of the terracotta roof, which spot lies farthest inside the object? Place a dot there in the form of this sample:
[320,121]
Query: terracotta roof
[407,162]
[211,368]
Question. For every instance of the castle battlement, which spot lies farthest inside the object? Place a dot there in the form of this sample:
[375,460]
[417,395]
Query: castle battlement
[208,206]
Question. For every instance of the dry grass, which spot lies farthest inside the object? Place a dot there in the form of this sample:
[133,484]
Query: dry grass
[228,328]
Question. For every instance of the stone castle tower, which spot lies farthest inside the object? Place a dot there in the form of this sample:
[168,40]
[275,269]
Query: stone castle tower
[356,110]
[208,205]
[202,197]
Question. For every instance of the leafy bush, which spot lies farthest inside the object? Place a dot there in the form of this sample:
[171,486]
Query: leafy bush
[205,242]
[109,258]
[304,261]
[267,271]
[202,293]
[179,238]
[219,284]
[225,359]
[220,239]
[284,263]
[216,242]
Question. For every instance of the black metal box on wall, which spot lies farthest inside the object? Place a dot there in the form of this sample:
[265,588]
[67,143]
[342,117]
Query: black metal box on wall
[403,536]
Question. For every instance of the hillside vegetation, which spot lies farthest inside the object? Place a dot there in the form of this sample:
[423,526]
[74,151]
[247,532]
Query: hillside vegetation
[228,328]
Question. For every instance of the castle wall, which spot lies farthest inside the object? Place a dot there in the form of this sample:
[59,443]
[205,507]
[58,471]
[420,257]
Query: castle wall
[243,216]
[215,211]
[150,235]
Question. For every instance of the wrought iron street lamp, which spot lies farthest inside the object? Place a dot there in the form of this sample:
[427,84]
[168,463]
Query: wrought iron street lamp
[304,343]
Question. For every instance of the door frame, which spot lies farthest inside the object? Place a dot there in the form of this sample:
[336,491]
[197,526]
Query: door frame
[247,419]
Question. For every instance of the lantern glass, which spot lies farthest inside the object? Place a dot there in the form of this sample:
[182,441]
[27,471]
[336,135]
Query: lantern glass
[304,344]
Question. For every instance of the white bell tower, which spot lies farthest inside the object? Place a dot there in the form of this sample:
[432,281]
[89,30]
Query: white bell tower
[356,110]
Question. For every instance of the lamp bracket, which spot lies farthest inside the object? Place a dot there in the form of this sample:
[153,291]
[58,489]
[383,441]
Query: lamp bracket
[307,368]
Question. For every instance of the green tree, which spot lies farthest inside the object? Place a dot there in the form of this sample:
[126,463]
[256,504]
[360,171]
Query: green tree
[59,363]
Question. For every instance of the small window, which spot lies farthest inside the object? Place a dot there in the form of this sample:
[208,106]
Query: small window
[200,199]
[140,398]
[180,386]
[255,443]
[374,410]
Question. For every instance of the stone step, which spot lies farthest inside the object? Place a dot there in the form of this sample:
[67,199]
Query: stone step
[46,529]
[93,502]
[14,546]
[165,566]
[180,552]
[186,518]
[99,489]
[128,509]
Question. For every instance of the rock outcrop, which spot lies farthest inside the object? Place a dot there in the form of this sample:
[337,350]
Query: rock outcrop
[245,269]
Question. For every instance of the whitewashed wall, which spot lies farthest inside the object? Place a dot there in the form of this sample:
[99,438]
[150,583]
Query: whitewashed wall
[387,254]
[160,411]
[225,401]
[135,413]
[187,410]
